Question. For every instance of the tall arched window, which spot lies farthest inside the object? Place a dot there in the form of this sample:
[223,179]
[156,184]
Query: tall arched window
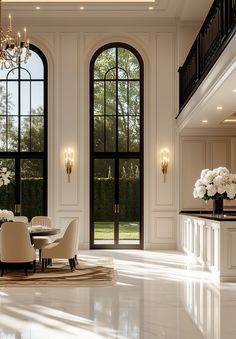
[116,147]
[23,135]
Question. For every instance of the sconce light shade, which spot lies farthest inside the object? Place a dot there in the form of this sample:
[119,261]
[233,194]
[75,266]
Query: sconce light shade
[164,162]
[69,160]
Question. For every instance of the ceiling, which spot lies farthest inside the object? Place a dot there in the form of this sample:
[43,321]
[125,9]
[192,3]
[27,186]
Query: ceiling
[220,106]
[147,9]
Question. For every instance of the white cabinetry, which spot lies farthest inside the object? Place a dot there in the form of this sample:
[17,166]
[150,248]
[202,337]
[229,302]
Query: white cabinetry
[197,153]
[212,243]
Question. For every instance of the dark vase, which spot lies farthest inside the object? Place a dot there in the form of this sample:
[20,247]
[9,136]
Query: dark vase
[218,207]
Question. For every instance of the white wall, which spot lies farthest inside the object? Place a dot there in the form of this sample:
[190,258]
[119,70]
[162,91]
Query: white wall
[68,51]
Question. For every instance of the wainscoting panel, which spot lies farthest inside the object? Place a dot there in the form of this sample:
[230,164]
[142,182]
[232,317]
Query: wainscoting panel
[163,231]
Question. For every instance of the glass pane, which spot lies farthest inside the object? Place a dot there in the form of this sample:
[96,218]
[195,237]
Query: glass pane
[129,201]
[98,98]
[31,187]
[123,98]
[2,98]
[25,134]
[123,134]
[12,97]
[4,73]
[103,201]
[7,196]
[25,89]
[134,134]
[2,134]
[122,74]
[110,134]
[34,66]
[13,73]
[37,134]
[12,134]
[134,97]
[99,134]
[104,62]
[37,98]
[128,61]
[111,74]
[25,75]
[110,98]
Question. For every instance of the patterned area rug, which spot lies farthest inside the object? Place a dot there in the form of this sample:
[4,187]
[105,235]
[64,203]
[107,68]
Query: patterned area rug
[90,272]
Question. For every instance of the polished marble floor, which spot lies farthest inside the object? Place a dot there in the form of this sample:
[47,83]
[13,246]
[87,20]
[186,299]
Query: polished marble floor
[159,294]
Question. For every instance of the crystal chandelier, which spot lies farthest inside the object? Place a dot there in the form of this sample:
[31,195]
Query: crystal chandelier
[11,46]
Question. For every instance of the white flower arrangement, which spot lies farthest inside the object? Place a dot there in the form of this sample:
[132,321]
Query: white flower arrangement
[6,215]
[215,184]
[5,176]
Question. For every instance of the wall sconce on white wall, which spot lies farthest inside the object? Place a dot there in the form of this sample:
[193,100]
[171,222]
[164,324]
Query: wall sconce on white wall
[164,162]
[69,160]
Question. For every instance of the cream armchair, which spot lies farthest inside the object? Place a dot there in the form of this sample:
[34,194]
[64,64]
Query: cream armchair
[65,248]
[16,246]
[38,241]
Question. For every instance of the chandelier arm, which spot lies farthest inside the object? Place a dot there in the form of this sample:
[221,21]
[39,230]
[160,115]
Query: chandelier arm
[12,49]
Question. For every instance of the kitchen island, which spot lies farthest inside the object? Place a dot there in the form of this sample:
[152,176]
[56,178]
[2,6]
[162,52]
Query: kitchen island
[211,240]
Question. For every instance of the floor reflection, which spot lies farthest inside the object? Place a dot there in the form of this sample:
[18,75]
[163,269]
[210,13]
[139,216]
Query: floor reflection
[161,295]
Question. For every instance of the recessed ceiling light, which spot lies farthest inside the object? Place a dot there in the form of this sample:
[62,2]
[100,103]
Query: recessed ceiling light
[81,8]
[229,120]
[151,8]
[234,90]
[219,107]
[204,121]
[37,7]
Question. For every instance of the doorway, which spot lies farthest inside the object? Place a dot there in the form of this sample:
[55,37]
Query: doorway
[116,148]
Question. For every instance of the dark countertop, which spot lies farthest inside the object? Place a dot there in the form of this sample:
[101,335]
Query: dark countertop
[227,216]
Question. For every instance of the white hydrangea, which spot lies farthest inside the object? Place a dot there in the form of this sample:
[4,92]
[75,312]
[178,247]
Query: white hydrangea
[216,183]
[5,176]
[211,190]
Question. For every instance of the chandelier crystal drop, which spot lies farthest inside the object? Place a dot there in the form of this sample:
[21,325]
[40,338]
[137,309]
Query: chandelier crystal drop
[11,45]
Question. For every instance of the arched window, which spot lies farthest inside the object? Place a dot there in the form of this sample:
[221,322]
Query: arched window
[23,135]
[116,147]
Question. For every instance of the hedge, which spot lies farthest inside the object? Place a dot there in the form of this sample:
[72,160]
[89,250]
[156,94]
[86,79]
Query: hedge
[32,200]
[129,193]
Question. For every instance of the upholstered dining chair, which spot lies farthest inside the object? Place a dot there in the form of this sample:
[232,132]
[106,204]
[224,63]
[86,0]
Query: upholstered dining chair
[65,248]
[16,246]
[38,241]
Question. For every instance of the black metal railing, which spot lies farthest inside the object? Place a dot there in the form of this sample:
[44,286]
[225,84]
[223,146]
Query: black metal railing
[215,33]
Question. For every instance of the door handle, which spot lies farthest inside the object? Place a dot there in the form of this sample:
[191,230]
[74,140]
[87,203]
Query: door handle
[18,209]
[117,208]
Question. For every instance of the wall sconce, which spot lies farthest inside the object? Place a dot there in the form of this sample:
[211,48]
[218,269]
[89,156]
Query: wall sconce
[69,159]
[164,162]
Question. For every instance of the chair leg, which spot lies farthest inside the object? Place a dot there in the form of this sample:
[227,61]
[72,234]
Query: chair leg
[26,272]
[2,272]
[76,259]
[34,266]
[74,263]
[71,264]
[40,255]
[43,260]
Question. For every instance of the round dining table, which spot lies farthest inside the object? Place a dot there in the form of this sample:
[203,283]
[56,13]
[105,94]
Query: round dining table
[37,231]
[43,231]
